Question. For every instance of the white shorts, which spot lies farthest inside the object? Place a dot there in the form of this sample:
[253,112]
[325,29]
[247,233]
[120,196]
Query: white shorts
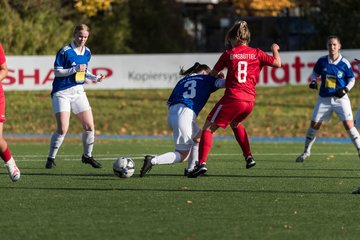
[325,106]
[182,121]
[70,100]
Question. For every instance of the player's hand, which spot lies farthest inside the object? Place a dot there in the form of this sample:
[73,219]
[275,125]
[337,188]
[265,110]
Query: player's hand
[313,85]
[275,47]
[341,92]
[221,75]
[80,68]
[99,77]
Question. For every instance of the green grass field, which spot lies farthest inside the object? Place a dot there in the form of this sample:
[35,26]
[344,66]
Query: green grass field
[277,199]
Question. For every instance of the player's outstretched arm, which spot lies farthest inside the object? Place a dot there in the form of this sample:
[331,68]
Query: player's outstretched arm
[275,51]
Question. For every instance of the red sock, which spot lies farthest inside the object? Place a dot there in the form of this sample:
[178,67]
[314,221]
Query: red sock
[205,146]
[6,155]
[243,140]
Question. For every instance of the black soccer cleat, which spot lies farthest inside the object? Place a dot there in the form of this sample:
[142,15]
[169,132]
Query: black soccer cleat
[198,170]
[356,191]
[146,166]
[250,162]
[50,163]
[91,161]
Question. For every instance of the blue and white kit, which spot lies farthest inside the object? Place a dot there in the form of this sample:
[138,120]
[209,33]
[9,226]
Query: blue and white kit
[185,102]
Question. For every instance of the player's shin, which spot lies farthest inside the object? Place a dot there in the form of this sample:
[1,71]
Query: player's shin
[88,138]
[243,140]
[355,137]
[205,146]
[310,139]
[56,141]
[194,156]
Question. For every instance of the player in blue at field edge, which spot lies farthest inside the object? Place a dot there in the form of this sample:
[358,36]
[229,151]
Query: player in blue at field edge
[337,79]
[68,95]
[185,102]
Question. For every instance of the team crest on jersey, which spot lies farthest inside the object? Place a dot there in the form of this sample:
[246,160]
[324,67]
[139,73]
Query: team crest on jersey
[340,74]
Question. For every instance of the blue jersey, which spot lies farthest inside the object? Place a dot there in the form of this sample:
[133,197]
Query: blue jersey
[193,91]
[68,58]
[334,76]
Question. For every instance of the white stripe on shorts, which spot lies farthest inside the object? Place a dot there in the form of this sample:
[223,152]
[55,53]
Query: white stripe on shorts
[216,113]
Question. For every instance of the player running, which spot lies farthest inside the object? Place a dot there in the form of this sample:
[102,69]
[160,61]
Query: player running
[185,102]
[243,65]
[337,79]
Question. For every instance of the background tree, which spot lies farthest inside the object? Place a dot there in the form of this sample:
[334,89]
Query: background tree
[110,30]
[157,27]
[31,27]
[92,7]
[261,7]
[41,27]
[335,17]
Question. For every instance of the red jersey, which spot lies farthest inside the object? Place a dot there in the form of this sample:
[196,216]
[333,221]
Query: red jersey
[243,65]
[2,96]
[2,55]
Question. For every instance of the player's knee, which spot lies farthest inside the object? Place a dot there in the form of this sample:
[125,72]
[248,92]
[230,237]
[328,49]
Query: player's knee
[62,130]
[184,155]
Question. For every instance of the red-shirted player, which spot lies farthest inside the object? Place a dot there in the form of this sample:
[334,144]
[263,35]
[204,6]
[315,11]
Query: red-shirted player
[5,154]
[243,65]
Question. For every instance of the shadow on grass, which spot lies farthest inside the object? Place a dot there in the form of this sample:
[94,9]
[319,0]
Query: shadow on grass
[260,191]
[311,169]
[89,175]
[65,174]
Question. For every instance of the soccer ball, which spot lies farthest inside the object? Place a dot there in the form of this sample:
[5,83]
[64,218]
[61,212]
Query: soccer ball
[124,167]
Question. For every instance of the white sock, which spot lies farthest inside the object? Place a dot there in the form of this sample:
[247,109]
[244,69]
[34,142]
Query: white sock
[357,118]
[55,143]
[310,139]
[88,138]
[355,137]
[167,158]
[194,156]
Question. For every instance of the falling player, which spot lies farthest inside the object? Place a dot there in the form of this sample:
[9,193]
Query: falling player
[185,102]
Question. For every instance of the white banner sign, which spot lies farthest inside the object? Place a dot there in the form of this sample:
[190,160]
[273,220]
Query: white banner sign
[155,71]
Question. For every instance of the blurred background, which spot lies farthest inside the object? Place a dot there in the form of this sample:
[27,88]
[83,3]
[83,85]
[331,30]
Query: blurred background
[41,27]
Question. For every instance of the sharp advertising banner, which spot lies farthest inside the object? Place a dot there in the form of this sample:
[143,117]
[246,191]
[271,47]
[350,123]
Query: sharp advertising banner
[155,71]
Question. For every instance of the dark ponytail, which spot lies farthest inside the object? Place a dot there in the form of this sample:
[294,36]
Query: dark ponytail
[196,68]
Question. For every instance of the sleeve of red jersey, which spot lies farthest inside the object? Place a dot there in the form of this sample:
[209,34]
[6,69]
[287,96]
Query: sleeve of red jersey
[221,63]
[265,58]
[2,55]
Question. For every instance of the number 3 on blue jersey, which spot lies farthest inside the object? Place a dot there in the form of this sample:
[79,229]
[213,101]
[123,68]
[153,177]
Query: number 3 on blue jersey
[191,91]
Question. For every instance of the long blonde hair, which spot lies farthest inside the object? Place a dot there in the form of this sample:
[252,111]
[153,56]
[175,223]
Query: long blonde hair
[240,32]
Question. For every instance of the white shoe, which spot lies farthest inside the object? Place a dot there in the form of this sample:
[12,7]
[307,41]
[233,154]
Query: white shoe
[13,170]
[302,157]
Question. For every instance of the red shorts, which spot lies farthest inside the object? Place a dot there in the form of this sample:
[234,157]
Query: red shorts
[229,110]
[2,105]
